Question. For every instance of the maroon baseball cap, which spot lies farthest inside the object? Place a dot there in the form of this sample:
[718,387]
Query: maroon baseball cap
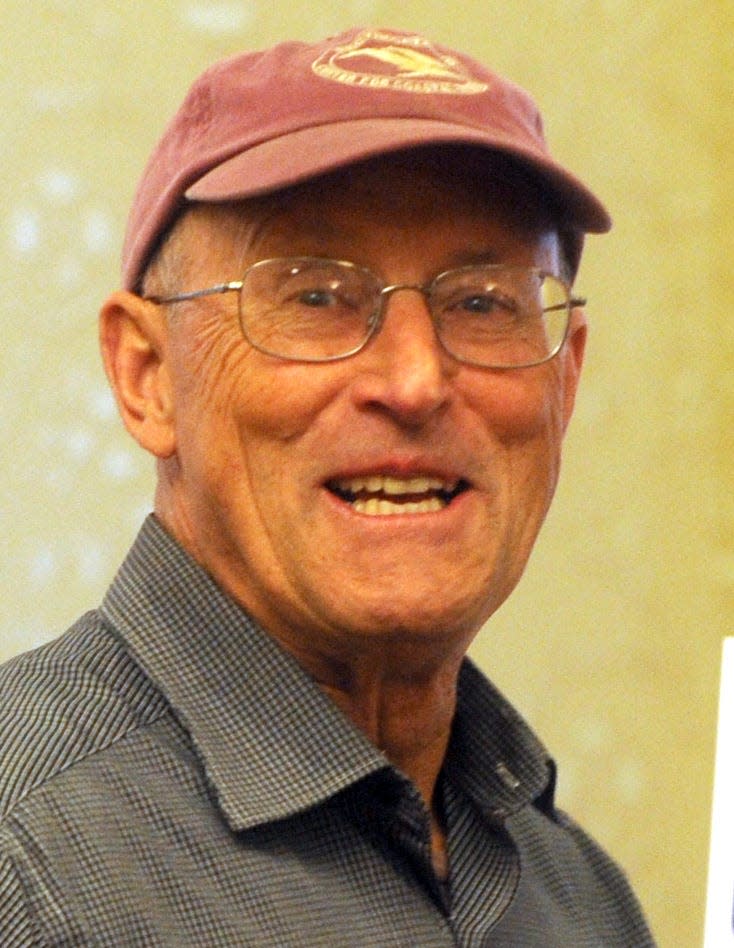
[261,121]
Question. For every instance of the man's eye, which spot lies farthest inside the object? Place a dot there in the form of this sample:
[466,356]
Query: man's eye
[482,303]
[316,298]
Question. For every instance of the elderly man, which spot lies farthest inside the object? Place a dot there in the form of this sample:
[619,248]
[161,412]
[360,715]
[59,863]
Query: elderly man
[346,334]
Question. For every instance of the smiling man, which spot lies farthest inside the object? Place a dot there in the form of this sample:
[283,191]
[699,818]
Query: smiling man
[347,336]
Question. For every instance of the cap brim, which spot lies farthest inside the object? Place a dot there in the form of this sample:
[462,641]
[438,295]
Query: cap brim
[309,152]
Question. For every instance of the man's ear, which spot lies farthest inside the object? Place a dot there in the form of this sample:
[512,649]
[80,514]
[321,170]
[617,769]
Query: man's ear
[573,360]
[133,337]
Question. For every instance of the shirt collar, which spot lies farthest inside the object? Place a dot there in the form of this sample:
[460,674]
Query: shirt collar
[272,743]
[494,756]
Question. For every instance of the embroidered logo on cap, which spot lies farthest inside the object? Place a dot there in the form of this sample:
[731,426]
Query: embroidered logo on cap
[379,60]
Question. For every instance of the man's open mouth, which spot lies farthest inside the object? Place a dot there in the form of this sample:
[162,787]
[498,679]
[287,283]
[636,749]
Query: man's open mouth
[383,495]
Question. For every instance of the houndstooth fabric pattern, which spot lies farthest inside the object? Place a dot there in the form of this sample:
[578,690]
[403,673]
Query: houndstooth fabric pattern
[170,777]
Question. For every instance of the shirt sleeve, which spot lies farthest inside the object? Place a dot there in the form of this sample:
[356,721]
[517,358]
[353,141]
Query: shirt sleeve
[613,880]
[17,929]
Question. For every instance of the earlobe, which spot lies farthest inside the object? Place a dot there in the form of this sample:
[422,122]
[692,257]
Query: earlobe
[133,339]
[573,356]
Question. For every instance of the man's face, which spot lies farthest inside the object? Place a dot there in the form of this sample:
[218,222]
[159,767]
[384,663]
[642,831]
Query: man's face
[267,452]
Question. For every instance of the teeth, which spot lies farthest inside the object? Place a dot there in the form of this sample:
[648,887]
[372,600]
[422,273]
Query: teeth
[414,485]
[394,486]
[375,507]
[380,495]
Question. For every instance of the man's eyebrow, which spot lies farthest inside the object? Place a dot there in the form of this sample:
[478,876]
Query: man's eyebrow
[469,258]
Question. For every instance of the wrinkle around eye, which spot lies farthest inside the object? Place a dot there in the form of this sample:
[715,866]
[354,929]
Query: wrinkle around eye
[210,351]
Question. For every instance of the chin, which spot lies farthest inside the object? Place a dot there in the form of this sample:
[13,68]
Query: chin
[415,623]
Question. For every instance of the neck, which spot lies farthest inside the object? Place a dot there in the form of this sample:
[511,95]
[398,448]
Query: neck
[410,721]
[409,717]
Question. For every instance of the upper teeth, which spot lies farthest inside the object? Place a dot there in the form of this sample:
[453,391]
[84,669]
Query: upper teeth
[381,484]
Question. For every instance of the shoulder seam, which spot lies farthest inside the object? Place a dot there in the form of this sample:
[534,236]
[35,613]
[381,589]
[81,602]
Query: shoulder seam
[42,782]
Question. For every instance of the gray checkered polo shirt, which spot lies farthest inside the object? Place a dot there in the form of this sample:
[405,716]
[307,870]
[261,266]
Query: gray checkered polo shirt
[169,776]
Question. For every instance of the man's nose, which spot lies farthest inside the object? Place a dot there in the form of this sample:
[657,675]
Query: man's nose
[404,368]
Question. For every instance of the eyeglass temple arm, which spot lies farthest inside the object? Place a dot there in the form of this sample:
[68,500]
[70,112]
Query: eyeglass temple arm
[573,302]
[196,294]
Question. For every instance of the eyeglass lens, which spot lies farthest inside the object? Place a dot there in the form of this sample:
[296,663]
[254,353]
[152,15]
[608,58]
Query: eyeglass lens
[318,310]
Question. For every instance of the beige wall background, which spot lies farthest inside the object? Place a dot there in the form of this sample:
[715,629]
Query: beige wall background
[611,644]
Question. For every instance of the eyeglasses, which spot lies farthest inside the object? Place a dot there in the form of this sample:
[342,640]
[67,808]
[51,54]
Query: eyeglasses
[310,309]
